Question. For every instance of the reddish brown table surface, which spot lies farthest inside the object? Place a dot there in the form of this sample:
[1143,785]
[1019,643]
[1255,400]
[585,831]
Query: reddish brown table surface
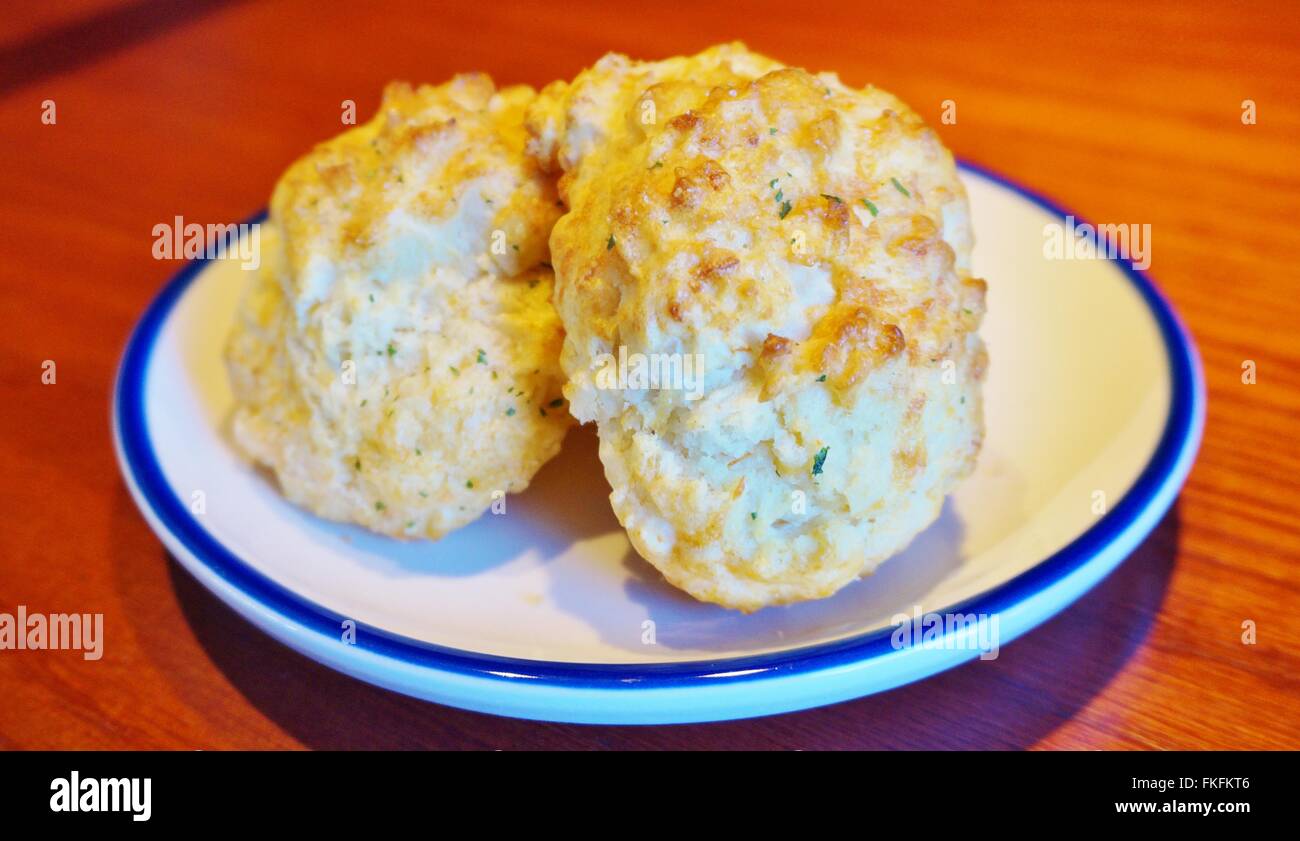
[1126,112]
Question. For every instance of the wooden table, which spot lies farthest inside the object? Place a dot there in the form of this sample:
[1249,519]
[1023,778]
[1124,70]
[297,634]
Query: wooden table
[171,109]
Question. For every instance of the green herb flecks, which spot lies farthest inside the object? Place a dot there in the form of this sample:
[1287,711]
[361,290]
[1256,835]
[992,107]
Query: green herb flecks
[783,204]
[900,188]
[871,207]
[819,460]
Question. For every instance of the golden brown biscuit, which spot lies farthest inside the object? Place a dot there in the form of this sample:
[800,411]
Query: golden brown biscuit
[396,361]
[807,246]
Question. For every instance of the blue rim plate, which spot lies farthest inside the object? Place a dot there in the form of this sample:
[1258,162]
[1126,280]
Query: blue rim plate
[698,690]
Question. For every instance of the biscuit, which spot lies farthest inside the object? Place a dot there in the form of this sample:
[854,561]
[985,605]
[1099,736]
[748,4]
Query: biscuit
[395,363]
[809,244]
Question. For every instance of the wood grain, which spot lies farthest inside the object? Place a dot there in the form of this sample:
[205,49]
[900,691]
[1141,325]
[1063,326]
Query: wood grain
[1124,112]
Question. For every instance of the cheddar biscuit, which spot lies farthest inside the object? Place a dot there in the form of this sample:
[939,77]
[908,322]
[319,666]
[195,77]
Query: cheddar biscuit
[809,243]
[395,363]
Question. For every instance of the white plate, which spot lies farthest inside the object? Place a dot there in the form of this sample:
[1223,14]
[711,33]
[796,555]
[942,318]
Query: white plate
[1094,401]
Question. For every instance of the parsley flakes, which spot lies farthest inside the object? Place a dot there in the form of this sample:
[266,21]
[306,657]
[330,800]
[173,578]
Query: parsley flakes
[819,460]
